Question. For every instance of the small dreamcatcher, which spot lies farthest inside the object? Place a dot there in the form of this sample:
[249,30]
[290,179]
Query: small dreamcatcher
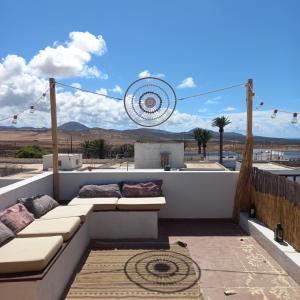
[150,101]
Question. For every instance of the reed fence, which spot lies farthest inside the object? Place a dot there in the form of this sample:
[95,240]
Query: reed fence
[277,200]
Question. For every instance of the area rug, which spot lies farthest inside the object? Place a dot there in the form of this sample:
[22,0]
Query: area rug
[137,274]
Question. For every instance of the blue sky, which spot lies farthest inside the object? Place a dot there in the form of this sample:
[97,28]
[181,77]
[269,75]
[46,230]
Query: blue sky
[216,43]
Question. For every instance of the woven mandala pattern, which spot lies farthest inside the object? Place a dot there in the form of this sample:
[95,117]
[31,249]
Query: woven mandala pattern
[150,101]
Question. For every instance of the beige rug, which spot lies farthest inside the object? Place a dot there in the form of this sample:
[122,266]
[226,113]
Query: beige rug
[137,274]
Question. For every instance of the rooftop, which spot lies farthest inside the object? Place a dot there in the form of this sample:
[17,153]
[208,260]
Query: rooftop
[198,253]
[230,261]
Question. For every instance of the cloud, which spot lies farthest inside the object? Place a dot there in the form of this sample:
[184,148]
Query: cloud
[117,89]
[187,83]
[76,85]
[146,73]
[229,108]
[211,102]
[202,110]
[71,58]
[214,100]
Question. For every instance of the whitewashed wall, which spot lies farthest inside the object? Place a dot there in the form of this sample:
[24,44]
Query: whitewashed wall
[39,184]
[189,194]
[147,155]
[68,161]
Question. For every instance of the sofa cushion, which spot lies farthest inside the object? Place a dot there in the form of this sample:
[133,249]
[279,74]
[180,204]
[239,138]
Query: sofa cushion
[103,190]
[28,254]
[39,205]
[69,211]
[142,189]
[5,234]
[98,203]
[16,217]
[149,203]
[66,227]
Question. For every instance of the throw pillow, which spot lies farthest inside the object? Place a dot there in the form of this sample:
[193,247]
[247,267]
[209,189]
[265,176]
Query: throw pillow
[142,189]
[98,191]
[5,234]
[16,217]
[39,205]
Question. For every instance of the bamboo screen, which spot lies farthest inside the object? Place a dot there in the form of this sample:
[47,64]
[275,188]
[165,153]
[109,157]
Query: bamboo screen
[277,200]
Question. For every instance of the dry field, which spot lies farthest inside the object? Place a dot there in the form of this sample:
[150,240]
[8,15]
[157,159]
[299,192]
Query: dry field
[10,141]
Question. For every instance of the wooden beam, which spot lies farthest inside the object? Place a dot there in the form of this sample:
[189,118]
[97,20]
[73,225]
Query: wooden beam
[242,200]
[250,95]
[54,139]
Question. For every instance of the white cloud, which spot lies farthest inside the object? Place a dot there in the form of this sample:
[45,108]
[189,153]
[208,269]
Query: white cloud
[214,100]
[211,102]
[187,83]
[76,85]
[71,58]
[202,110]
[146,73]
[117,89]
[229,108]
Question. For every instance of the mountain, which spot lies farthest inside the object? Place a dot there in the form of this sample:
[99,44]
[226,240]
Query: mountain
[80,132]
[73,126]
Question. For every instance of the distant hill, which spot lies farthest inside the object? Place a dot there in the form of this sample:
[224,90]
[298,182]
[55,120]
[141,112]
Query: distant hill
[81,132]
[73,126]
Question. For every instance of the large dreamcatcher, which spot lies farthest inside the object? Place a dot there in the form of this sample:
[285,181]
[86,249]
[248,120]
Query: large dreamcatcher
[150,101]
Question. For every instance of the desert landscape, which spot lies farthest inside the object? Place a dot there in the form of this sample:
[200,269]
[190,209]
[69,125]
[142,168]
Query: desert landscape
[72,134]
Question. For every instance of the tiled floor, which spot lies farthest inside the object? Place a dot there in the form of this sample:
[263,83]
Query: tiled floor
[231,261]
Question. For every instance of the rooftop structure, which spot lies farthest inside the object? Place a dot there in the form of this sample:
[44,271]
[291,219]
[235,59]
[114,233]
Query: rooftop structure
[193,228]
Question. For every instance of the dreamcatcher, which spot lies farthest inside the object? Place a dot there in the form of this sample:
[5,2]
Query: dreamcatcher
[150,101]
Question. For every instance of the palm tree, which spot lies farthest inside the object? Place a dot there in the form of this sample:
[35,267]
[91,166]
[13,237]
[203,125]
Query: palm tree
[98,148]
[197,132]
[86,148]
[205,137]
[221,122]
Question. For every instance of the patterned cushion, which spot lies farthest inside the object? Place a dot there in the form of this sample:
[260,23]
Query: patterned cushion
[16,217]
[142,189]
[39,205]
[98,191]
[5,234]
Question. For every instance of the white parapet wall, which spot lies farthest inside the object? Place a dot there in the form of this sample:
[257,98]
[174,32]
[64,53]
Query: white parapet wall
[148,155]
[189,194]
[39,184]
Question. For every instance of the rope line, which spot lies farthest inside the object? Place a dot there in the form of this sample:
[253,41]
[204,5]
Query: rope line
[213,91]
[87,91]
[278,110]
[34,103]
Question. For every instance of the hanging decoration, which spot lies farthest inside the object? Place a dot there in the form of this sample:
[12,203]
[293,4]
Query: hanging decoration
[150,101]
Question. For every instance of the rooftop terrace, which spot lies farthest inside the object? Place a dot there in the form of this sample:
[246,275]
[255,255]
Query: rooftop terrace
[221,261]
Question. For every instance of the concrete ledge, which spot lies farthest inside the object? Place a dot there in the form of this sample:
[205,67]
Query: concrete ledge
[286,256]
[123,225]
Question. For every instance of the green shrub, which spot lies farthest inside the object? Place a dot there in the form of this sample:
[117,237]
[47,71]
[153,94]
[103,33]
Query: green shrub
[31,152]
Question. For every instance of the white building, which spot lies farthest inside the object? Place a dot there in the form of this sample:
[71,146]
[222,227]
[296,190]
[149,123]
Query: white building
[267,155]
[66,162]
[156,155]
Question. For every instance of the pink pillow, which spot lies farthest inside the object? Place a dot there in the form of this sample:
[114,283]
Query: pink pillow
[16,217]
[142,189]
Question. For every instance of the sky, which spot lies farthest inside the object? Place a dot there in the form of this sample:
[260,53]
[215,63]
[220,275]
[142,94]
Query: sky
[194,45]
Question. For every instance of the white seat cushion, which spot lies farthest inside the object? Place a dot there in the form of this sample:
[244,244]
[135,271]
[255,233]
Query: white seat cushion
[98,203]
[69,211]
[149,203]
[28,254]
[65,227]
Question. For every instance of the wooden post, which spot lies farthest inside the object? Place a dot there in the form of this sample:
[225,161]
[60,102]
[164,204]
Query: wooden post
[250,95]
[54,139]
[242,199]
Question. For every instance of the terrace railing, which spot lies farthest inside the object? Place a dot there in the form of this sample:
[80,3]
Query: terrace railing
[277,200]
